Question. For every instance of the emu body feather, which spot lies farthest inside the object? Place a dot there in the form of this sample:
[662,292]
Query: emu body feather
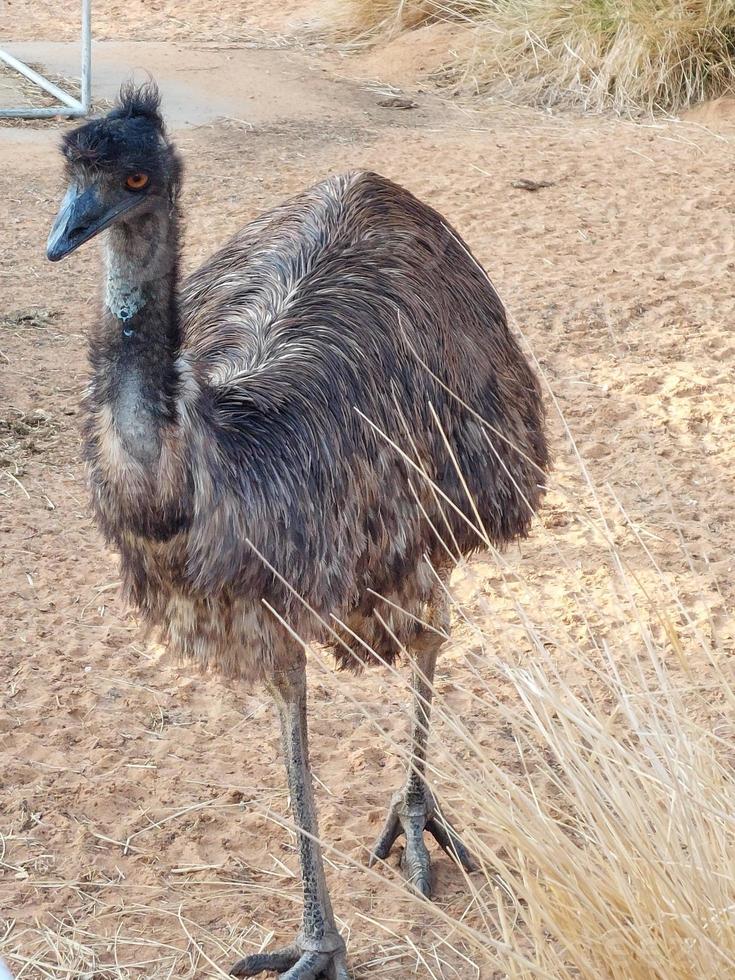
[347,322]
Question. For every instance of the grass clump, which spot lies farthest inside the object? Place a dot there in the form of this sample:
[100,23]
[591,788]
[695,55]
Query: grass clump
[626,55]
[612,853]
[365,19]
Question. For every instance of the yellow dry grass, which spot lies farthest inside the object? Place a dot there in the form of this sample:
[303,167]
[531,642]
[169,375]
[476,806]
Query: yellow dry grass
[626,55]
[361,21]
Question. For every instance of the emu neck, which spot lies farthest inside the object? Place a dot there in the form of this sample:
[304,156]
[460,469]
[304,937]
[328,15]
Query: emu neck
[135,348]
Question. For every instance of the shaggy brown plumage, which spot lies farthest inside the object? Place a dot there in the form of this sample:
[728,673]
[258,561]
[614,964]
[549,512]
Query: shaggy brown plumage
[322,314]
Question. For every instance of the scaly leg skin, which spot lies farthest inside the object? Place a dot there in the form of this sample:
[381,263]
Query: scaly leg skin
[319,950]
[414,809]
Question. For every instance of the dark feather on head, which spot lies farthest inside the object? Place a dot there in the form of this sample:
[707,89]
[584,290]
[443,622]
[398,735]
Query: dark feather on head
[130,138]
[139,100]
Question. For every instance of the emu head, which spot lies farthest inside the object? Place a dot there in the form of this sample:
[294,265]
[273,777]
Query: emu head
[121,168]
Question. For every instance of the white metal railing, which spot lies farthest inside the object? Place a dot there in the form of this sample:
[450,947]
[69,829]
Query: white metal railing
[69,105]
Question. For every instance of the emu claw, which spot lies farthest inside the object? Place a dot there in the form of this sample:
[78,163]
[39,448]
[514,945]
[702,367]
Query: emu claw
[278,960]
[296,964]
[412,817]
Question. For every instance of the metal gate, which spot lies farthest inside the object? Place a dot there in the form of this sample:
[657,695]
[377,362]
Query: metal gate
[69,105]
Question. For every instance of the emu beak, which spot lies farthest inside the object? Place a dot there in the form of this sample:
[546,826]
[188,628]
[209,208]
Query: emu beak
[82,216]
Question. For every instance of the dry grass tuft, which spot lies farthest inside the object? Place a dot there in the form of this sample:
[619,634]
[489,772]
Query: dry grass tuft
[23,434]
[626,55]
[365,19]
[608,843]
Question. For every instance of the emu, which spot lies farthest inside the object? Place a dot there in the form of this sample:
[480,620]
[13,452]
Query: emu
[282,447]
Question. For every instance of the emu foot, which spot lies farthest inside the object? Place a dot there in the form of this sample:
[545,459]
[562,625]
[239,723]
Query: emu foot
[411,813]
[306,959]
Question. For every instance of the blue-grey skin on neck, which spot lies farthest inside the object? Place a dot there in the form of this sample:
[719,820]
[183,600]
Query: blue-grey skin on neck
[124,299]
[138,258]
[140,263]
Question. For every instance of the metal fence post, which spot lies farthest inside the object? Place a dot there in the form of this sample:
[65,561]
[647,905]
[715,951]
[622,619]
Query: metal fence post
[70,106]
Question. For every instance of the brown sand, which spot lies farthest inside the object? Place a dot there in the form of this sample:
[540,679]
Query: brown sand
[412,58]
[137,799]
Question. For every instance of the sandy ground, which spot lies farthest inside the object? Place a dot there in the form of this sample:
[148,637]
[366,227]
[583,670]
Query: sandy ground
[156,20]
[138,803]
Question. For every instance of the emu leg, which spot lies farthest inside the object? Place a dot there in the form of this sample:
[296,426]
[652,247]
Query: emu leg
[319,950]
[414,809]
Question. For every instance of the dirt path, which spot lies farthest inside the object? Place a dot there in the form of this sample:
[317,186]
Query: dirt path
[138,802]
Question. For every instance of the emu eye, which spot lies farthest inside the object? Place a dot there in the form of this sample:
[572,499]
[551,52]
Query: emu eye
[136,182]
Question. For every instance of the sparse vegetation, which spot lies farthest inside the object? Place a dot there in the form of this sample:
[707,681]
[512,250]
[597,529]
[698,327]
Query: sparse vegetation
[607,842]
[382,16]
[626,55]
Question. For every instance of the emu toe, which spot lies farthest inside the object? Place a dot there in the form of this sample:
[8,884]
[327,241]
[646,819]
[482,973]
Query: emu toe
[297,962]
[411,814]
